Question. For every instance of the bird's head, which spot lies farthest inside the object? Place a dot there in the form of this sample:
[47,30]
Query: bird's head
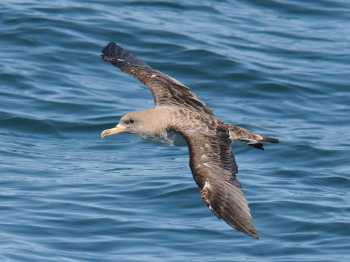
[133,122]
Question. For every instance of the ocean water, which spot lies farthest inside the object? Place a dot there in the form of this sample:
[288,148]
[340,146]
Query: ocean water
[279,68]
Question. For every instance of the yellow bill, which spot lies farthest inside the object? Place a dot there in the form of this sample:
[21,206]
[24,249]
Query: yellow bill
[113,131]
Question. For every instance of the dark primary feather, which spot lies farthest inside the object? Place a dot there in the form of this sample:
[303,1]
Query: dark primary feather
[214,170]
[166,90]
[228,203]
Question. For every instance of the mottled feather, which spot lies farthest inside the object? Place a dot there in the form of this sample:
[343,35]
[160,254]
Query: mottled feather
[214,169]
[211,158]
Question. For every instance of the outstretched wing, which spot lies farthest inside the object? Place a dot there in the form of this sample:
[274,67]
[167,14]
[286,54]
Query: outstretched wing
[214,170]
[165,89]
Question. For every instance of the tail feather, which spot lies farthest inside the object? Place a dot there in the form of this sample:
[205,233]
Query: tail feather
[257,145]
[246,136]
[270,140]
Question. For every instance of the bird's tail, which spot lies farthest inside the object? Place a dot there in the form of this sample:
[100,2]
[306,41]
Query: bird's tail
[248,137]
[269,140]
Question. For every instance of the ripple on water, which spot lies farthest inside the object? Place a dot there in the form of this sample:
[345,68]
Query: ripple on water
[278,68]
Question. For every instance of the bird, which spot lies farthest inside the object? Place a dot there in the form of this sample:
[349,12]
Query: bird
[177,109]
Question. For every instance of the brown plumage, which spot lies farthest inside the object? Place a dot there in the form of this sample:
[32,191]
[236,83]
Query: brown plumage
[211,159]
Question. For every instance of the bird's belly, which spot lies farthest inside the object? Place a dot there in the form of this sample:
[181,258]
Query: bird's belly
[167,137]
[173,138]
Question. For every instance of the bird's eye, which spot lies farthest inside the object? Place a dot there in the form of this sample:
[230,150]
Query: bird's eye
[129,121]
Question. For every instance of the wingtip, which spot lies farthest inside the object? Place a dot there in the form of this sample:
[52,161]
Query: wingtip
[250,231]
[255,237]
[108,52]
[254,234]
[120,57]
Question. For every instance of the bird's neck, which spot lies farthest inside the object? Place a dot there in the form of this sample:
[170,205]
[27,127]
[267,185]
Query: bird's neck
[159,119]
[164,118]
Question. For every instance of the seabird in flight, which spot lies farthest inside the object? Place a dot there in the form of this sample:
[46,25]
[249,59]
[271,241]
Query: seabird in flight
[209,139]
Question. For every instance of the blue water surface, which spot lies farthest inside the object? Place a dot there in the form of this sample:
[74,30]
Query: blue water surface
[280,68]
